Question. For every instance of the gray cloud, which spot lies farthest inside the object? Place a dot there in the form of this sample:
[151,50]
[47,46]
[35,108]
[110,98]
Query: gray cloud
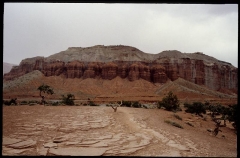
[42,29]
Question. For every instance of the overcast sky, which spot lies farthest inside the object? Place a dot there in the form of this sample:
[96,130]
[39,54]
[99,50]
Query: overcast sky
[43,29]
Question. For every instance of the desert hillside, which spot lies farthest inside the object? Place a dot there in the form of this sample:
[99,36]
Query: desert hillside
[100,90]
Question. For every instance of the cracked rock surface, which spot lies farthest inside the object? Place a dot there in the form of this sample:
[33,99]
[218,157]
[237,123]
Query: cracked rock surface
[98,131]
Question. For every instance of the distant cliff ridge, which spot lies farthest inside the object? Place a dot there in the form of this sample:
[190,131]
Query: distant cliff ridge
[108,62]
[7,67]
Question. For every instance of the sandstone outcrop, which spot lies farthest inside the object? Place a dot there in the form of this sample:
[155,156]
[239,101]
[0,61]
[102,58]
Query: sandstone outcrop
[145,73]
[93,70]
[108,62]
[109,70]
[159,74]
[74,69]
[133,72]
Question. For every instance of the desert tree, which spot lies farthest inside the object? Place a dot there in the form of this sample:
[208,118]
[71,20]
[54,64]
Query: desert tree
[216,130]
[44,89]
[115,106]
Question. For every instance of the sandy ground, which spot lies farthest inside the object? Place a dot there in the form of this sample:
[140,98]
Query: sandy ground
[85,130]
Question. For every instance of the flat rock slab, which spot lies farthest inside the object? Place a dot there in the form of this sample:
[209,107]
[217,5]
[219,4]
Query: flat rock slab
[131,138]
[95,121]
[96,126]
[59,139]
[50,145]
[8,141]
[100,144]
[88,142]
[13,151]
[78,151]
[72,143]
[104,137]
[158,135]
[178,146]
[23,144]
[172,153]
[131,150]
[42,151]
[31,134]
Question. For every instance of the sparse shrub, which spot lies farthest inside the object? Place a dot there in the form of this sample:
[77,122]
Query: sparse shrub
[188,123]
[11,102]
[173,123]
[233,116]
[91,103]
[177,116]
[5,102]
[136,104]
[32,101]
[170,102]
[126,103]
[31,104]
[24,102]
[84,104]
[55,103]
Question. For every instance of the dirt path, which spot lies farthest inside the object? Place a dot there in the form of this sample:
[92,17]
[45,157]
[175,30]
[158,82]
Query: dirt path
[169,147]
[95,131]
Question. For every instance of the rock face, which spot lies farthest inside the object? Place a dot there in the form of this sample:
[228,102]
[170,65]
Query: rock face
[108,62]
[75,69]
[109,71]
[159,74]
[92,70]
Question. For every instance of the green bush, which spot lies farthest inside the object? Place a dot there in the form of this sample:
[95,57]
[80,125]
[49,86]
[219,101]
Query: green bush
[196,107]
[173,123]
[69,100]
[126,103]
[159,105]
[170,102]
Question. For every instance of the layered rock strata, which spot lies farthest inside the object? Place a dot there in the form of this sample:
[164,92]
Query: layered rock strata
[108,62]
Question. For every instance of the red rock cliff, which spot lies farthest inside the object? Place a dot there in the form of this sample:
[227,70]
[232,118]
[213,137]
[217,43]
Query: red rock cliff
[196,67]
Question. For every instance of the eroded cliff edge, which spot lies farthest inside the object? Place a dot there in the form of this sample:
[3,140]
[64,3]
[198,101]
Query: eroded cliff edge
[108,62]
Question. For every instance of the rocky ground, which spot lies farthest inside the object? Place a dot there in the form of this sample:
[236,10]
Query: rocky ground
[95,131]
